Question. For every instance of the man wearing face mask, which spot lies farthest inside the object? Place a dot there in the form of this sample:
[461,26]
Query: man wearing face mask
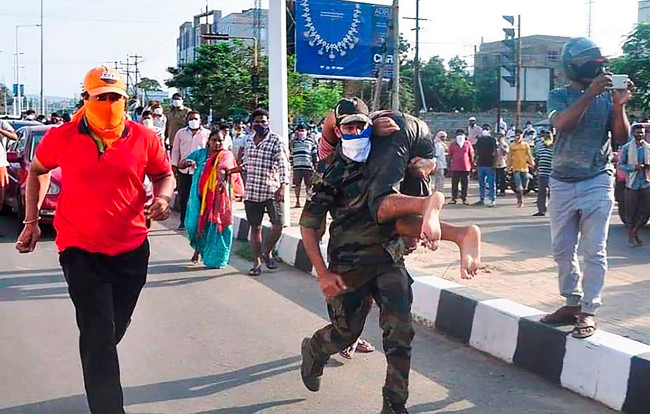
[176,118]
[100,222]
[583,113]
[461,158]
[187,140]
[303,157]
[365,261]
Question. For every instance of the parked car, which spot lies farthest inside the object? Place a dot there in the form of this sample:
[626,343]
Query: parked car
[20,154]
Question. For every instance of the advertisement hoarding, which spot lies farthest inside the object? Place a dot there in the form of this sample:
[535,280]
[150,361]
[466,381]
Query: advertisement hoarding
[343,39]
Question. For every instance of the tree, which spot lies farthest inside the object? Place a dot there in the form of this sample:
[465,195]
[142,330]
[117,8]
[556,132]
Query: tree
[220,79]
[308,97]
[635,62]
[148,84]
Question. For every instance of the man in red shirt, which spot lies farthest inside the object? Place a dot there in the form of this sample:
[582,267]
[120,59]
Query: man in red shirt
[461,158]
[100,221]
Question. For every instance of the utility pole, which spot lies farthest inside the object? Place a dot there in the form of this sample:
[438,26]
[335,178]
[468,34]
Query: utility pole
[590,4]
[137,59]
[420,101]
[518,78]
[128,73]
[395,92]
[42,100]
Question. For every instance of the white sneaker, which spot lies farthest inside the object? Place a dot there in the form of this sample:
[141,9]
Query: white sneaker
[492,203]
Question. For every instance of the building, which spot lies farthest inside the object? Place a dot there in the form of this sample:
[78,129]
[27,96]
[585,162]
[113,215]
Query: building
[644,11]
[541,63]
[235,24]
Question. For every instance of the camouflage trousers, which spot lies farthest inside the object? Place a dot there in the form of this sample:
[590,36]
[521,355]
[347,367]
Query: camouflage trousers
[391,290]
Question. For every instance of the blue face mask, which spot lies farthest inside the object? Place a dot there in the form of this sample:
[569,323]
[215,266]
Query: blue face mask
[357,146]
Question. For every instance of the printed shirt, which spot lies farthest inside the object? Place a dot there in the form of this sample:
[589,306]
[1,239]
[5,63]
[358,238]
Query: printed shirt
[544,158]
[586,150]
[519,156]
[267,166]
[357,245]
[303,154]
[101,205]
[640,181]
[186,143]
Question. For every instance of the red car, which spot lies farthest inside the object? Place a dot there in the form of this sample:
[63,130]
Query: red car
[20,154]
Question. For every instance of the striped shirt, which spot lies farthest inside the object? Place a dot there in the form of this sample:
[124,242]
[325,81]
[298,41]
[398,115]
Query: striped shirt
[544,158]
[303,154]
[267,166]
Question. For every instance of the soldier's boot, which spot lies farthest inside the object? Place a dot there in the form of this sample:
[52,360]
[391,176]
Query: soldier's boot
[393,408]
[311,369]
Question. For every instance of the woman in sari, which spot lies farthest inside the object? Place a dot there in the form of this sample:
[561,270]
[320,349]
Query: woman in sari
[208,221]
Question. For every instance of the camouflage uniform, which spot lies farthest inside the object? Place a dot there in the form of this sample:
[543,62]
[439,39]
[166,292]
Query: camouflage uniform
[369,258]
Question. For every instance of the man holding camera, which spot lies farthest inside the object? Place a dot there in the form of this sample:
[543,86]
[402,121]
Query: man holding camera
[583,113]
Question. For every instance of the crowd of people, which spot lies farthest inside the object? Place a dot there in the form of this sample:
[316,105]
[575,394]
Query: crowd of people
[378,214]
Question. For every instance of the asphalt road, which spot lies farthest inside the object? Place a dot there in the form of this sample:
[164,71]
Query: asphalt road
[207,341]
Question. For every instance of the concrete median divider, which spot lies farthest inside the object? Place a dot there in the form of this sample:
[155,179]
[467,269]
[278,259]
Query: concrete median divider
[608,368]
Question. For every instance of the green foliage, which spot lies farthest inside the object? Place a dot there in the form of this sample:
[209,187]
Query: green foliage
[448,89]
[220,79]
[308,97]
[148,84]
[635,62]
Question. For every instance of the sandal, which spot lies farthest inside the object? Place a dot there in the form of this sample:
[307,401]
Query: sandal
[348,353]
[585,327]
[566,315]
[364,346]
[270,262]
[453,202]
[255,271]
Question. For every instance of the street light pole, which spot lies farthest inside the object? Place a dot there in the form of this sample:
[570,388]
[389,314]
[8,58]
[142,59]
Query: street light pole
[395,97]
[42,100]
[19,100]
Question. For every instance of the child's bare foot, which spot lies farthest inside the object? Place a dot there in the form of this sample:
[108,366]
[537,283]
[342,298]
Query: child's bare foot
[470,251]
[431,232]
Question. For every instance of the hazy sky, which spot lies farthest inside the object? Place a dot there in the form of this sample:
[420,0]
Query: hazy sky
[80,34]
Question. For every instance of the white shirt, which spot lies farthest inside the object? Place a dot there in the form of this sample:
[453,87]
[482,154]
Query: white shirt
[441,157]
[3,142]
[473,133]
[186,143]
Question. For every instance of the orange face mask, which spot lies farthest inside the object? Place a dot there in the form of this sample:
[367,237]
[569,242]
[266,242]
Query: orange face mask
[106,119]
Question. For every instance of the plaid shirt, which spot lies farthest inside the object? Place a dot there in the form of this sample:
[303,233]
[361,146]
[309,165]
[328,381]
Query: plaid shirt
[267,166]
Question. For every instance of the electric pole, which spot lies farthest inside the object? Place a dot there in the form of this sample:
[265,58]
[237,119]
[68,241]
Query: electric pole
[590,4]
[420,101]
[395,92]
[137,59]
[519,77]
[42,100]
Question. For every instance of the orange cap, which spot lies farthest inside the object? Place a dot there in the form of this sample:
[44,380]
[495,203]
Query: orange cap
[101,80]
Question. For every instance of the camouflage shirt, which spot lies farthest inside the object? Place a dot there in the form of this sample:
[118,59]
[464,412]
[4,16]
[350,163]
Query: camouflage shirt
[357,245]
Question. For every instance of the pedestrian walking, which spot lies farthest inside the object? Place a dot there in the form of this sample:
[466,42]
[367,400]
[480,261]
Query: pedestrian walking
[461,159]
[267,173]
[635,161]
[304,154]
[176,118]
[486,148]
[6,133]
[583,113]
[530,135]
[520,160]
[187,140]
[100,222]
[500,163]
[215,184]
[619,187]
[441,159]
[544,162]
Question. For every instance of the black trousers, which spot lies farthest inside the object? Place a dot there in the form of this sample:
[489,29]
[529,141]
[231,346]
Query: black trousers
[184,185]
[637,207]
[501,180]
[104,290]
[461,177]
[542,192]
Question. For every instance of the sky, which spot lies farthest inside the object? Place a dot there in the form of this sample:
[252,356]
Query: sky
[80,34]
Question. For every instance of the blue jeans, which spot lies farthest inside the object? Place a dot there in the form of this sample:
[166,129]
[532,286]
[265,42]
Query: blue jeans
[487,178]
[581,210]
[521,181]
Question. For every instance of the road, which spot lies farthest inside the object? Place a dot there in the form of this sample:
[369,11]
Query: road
[216,341]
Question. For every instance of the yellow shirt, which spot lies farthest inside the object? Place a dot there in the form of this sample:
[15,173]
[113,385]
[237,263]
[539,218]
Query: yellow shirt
[520,157]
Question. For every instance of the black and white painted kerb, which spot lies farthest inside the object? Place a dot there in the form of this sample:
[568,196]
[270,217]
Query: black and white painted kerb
[606,367]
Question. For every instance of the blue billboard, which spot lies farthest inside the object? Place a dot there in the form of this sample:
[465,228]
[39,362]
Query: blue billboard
[343,39]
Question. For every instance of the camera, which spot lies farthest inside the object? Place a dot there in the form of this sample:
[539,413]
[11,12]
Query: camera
[619,81]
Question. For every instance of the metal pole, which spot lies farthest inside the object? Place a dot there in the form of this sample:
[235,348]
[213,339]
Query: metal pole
[498,124]
[416,84]
[518,77]
[395,93]
[380,78]
[18,97]
[278,92]
[42,100]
